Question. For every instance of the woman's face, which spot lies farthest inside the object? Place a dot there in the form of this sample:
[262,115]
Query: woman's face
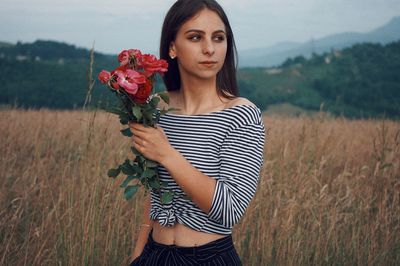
[200,46]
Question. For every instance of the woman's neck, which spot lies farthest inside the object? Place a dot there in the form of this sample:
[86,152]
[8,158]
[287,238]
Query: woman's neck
[198,96]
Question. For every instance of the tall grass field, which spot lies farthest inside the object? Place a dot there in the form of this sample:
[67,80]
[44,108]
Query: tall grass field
[329,192]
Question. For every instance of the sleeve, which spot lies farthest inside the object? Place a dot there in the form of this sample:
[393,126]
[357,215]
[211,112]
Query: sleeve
[241,160]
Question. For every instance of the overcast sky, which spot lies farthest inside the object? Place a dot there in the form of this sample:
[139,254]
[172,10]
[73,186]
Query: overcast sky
[121,24]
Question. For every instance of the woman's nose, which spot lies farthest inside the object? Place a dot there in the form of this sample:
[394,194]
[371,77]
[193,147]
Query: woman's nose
[208,47]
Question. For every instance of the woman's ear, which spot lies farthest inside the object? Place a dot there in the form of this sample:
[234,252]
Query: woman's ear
[172,51]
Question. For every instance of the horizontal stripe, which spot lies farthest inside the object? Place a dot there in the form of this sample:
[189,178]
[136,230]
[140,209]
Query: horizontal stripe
[226,145]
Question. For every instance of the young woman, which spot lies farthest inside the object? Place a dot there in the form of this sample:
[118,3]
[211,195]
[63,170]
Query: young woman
[210,151]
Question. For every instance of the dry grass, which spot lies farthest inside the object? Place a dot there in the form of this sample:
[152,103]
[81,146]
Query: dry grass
[328,195]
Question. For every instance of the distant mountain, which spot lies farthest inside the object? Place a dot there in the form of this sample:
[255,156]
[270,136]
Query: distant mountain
[43,50]
[5,44]
[277,48]
[277,54]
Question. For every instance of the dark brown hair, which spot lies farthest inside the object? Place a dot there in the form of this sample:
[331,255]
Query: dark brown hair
[179,13]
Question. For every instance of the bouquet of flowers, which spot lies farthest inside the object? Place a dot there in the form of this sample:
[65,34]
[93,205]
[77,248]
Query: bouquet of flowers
[132,82]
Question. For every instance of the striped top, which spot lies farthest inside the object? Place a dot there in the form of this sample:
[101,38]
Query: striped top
[226,145]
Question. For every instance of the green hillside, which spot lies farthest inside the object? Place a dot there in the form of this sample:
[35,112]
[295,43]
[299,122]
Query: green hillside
[361,81]
[49,74]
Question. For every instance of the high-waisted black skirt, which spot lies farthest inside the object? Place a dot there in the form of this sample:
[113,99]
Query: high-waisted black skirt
[218,252]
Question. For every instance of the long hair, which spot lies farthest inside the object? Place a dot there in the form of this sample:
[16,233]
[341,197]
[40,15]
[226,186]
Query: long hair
[178,14]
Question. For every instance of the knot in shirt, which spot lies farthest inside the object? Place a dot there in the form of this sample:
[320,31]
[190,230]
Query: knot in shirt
[167,217]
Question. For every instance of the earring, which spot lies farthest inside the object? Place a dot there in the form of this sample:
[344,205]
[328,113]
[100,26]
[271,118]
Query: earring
[172,57]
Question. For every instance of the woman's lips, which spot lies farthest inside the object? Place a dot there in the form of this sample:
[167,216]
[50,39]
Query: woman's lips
[208,63]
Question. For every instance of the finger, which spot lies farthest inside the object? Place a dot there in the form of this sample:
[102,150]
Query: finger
[135,140]
[137,147]
[138,133]
[137,126]
[143,127]
[132,128]
[132,124]
[138,139]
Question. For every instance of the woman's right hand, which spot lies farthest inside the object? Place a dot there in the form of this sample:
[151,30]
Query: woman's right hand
[151,142]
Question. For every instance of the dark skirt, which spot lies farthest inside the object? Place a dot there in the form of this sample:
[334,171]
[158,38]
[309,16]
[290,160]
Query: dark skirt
[218,252]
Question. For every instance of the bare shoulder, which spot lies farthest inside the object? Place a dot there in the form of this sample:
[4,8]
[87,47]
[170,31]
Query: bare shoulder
[240,101]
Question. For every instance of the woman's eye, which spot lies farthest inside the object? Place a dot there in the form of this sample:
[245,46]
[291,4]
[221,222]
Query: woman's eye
[219,38]
[194,38]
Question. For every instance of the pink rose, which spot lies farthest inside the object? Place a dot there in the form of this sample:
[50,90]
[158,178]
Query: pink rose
[113,81]
[129,80]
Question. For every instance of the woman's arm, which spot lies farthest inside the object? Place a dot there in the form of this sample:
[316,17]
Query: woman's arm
[144,229]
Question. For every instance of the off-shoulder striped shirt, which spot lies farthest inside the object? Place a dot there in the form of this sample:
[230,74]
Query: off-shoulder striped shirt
[226,145]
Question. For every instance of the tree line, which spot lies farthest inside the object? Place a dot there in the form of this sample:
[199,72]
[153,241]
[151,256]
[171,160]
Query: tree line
[360,81]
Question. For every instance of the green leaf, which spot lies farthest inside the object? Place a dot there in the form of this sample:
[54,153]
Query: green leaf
[167,197]
[127,132]
[154,101]
[123,121]
[128,169]
[140,159]
[157,116]
[151,164]
[148,115]
[128,179]
[155,184]
[124,118]
[148,173]
[137,112]
[147,107]
[164,97]
[136,167]
[135,151]
[114,172]
[130,191]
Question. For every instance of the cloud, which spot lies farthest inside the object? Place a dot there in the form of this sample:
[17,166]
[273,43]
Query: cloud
[118,23]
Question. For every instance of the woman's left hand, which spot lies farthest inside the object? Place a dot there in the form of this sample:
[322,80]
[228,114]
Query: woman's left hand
[151,142]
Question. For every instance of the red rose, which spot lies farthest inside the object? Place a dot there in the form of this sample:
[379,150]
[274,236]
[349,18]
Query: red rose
[104,76]
[127,56]
[143,92]
[120,68]
[151,65]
